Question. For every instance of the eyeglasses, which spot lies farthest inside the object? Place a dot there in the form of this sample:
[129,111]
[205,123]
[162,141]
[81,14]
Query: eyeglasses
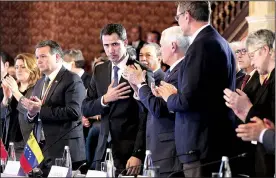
[251,54]
[177,16]
[241,51]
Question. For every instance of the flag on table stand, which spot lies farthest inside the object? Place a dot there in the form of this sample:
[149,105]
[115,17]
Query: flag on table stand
[32,155]
[4,153]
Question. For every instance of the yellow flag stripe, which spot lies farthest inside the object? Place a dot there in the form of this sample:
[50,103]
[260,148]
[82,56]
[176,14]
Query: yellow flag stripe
[32,142]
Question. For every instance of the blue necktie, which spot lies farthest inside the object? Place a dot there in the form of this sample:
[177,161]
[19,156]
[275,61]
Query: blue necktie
[115,76]
[167,74]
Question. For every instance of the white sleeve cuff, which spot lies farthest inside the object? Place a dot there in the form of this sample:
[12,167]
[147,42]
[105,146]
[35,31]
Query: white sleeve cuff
[104,105]
[140,85]
[135,96]
[262,135]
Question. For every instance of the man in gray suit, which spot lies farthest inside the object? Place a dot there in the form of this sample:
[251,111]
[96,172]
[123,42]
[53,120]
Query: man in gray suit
[262,131]
[55,106]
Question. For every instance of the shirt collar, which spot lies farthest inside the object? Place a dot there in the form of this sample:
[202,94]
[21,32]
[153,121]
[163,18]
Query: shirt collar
[156,70]
[122,64]
[192,38]
[252,72]
[53,75]
[81,72]
[175,63]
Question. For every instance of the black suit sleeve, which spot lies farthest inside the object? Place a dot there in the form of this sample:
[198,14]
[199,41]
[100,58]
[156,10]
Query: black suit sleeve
[140,141]
[91,105]
[156,106]
[74,95]
[266,110]
[269,141]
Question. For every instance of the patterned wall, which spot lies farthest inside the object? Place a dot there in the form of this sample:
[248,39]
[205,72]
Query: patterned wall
[75,24]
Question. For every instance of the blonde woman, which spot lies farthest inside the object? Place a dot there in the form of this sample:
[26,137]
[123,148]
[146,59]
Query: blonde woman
[15,128]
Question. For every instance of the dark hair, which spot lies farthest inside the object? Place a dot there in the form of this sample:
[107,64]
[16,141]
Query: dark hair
[54,47]
[6,58]
[114,28]
[80,64]
[158,35]
[199,10]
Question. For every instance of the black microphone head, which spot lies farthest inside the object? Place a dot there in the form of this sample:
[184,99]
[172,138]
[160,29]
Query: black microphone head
[243,155]
[78,123]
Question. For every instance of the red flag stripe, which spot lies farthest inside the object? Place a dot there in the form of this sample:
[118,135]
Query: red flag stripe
[25,164]
[4,153]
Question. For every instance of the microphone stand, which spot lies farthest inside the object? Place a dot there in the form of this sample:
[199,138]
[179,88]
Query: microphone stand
[78,123]
[37,172]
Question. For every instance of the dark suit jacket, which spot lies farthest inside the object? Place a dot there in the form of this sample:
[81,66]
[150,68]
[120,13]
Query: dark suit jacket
[60,112]
[140,45]
[269,141]
[251,89]
[158,76]
[160,127]
[240,74]
[264,104]
[252,86]
[15,124]
[264,107]
[202,117]
[86,78]
[122,118]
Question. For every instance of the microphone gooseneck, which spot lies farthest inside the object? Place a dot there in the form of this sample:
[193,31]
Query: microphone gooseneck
[187,153]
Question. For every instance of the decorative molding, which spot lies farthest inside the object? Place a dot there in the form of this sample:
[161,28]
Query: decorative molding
[254,19]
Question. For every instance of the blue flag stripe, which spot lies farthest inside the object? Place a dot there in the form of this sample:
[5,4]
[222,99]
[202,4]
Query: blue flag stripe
[29,155]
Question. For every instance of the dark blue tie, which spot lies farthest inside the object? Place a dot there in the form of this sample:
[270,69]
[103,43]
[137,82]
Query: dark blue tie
[167,74]
[115,74]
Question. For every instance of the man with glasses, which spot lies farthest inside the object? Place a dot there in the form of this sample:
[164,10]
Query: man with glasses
[262,55]
[208,67]
[250,82]
[239,72]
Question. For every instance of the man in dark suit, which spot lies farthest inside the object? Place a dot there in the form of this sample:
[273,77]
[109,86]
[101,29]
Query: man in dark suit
[239,72]
[208,67]
[160,123]
[74,61]
[262,55]
[259,130]
[150,56]
[109,94]
[55,106]
[6,63]
[136,38]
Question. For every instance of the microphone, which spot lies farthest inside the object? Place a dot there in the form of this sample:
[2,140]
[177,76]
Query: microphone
[77,124]
[210,163]
[187,153]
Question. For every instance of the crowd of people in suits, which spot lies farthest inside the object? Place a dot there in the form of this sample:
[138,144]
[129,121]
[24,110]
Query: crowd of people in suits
[215,99]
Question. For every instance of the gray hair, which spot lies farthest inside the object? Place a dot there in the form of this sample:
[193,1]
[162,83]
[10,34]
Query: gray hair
[54,47]
[175,34]
[260,38]
[156,47]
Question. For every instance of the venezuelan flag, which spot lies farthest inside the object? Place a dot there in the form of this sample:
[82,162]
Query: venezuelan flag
[32,155]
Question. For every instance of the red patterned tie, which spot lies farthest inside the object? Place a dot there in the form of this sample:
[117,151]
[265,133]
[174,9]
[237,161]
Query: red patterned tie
[244,81]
